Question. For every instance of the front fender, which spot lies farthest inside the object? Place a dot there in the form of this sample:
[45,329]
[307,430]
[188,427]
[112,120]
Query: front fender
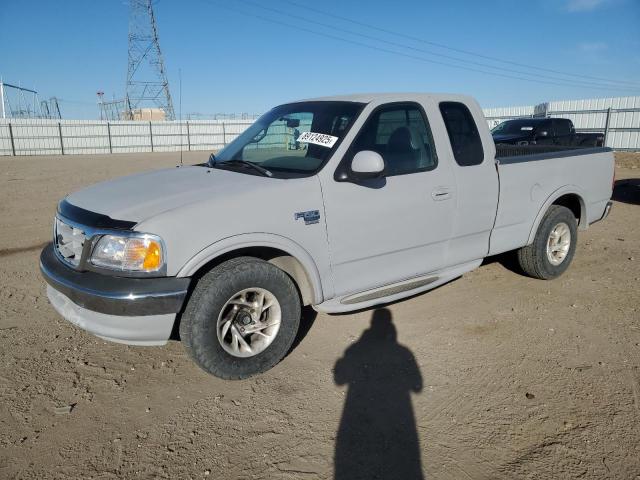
[248,240]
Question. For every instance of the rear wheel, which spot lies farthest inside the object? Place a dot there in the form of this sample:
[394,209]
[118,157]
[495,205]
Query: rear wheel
[241,319]
[553,247]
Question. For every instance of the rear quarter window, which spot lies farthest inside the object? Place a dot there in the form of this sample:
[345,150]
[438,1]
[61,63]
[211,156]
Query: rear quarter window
[463,134]
[562,127]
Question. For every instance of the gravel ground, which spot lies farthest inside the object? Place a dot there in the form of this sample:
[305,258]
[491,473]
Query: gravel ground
[494,375]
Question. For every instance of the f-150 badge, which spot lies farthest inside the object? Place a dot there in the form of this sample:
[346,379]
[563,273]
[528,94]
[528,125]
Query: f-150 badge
[310,217]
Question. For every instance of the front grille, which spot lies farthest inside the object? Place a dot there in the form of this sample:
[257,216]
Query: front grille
[69,241]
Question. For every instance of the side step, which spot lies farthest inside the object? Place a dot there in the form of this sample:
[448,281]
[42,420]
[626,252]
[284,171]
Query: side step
[396,291]
[387,291]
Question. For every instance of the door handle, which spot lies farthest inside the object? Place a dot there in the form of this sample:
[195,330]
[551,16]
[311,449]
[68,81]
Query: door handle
[442,193]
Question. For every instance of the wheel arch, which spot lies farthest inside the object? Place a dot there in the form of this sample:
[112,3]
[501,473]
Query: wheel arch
[569,196]
[279,251]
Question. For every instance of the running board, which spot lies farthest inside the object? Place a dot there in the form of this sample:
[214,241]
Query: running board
[395,291]
[387,291]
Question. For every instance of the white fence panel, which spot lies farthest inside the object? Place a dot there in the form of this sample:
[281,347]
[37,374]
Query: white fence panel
[49,137]
[496,116]
[5,140]
[84,137]
[207,135]
[31,137]
[130,137]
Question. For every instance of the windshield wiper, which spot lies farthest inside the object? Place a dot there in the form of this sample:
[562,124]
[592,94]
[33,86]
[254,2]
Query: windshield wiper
[262,170]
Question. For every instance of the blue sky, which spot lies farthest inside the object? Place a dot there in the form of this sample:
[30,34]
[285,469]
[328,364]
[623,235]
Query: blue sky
[233,61]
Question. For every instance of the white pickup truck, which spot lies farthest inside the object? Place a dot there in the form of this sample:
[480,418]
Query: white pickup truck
[340,203]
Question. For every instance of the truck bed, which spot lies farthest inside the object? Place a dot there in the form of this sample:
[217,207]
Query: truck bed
[532,177]
[507,151]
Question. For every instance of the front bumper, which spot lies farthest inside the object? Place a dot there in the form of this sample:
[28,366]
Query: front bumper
[127,310]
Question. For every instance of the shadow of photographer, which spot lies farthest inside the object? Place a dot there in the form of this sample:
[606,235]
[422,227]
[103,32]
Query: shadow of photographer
[377,437]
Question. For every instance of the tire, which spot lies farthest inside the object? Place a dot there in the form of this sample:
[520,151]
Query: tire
[535,260]
[212,308]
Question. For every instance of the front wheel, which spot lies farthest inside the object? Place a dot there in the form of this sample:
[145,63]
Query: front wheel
[241,319]
[553,246]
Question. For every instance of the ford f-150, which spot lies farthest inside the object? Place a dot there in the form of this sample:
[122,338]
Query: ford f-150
[340,203]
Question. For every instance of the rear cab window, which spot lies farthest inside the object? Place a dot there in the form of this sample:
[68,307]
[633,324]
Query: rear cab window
[561,127]
[463,134]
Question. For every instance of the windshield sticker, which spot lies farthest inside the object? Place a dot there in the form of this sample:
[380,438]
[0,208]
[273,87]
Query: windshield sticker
[318,139]
[526,128]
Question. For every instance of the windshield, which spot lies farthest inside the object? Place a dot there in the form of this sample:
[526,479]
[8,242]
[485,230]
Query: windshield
[291,140]
[515,126]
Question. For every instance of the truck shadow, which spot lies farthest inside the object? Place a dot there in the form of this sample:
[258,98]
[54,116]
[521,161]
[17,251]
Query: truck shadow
[377,436]
[627,191]
[508,260]
[306,322]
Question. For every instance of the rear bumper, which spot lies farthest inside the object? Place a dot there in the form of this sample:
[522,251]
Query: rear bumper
[605,214]
[137,311]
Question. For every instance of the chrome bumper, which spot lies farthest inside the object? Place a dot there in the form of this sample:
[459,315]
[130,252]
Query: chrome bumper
[607,209]
[131,330]
[605,214]
[114,295]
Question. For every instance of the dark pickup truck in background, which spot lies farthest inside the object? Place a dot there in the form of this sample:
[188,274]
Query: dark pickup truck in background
[544,131]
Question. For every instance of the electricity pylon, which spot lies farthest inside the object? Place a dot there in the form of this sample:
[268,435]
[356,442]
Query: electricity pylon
[147,84]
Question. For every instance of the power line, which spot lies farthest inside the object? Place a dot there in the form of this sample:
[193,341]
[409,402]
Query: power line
[79,102]
[428,52]
[458,50]
[568,83]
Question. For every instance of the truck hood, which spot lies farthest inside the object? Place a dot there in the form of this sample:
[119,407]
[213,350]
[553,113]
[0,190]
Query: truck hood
[139,197]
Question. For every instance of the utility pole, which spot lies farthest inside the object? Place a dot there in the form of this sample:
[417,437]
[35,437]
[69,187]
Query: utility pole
[147,84]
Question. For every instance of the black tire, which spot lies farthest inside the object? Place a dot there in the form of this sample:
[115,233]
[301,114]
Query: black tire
[198,325]
[533,258]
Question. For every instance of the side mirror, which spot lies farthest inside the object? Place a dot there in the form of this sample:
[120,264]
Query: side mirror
[367,164]
[543,133]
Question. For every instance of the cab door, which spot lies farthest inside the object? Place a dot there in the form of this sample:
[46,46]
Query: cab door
[393,228]
[473,160]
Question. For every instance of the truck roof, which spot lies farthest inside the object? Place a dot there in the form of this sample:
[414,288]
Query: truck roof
[534,120]
[392,97]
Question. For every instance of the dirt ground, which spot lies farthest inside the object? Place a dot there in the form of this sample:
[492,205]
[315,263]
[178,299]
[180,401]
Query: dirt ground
[510,377]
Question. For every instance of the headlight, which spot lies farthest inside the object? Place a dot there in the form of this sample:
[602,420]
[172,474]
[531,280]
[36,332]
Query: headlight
[141,253]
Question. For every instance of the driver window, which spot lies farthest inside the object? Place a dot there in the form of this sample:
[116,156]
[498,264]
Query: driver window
[401,134]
